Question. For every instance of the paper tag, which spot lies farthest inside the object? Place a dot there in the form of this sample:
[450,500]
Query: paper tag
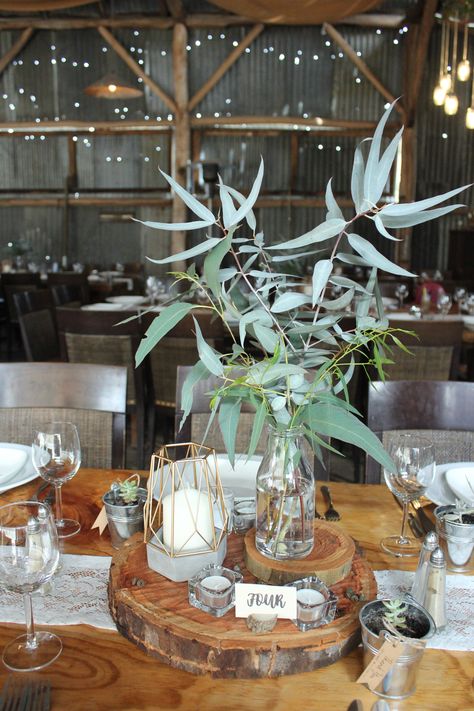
[101,521]
[266,600]
[381,664]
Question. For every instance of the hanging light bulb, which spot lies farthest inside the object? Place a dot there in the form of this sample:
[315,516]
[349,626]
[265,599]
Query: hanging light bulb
[451,104]
[464,70]
[439,95]
[445,82]
[470,117]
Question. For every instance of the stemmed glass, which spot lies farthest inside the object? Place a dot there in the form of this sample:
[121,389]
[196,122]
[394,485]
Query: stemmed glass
[29,555]
[401,292]
[444,304]
[56,453]
[459,297]
[414,472]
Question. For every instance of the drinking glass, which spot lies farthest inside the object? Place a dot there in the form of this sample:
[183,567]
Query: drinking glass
[459,297]
[401,292]
[444,304]
[29,555]
[414,472]
[56,458]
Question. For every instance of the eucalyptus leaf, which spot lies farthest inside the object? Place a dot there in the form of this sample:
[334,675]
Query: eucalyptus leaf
[340,303]
[213,262]
[229,413]
[173,226]
[267,338]
[197,207]
[398,209]
[357,178]
[416,218]
[385,165]
[381,228]
[321,233]
[289,300]
[193,252]
[160,326]
[247,205]
[368,252]
[206,353]
[228,209]
[352,259]
[250,216]
[198,372]
[371,177]
[321,272]
[257,428]
[257,315]
[334,211]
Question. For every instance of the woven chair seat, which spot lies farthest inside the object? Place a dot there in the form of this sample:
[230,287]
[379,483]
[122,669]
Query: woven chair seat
[425,363]
[18,424]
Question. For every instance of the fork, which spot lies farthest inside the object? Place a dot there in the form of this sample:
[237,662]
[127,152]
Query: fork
[331,513]
[34,695]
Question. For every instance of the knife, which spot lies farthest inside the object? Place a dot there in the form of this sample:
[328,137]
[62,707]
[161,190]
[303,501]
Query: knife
[423,518]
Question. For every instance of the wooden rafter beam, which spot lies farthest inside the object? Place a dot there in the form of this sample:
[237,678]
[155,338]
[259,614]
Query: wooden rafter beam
[176,9]
[416,54]
[362,66]
[374,19]
[226,64]
[18,128]
[132,21]
[136,69]
[16,47]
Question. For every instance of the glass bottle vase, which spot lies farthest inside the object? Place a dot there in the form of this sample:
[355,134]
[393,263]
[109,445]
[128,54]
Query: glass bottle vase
[285,497]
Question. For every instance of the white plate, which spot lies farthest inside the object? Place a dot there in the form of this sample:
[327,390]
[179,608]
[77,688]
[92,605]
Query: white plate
[242,478]
[27,472]
[439,492]
[102,307]
[458,480]
[11,461]
[127,300]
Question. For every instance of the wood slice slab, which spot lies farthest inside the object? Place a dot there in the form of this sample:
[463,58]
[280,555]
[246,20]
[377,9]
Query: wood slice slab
[153,612]
[330,559]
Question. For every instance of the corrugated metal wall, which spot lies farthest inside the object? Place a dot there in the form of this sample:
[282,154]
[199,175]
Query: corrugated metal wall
[286,72]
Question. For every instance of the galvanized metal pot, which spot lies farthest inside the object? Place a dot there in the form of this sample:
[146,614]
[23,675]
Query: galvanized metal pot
[456,540]
[400,681]
[126,520]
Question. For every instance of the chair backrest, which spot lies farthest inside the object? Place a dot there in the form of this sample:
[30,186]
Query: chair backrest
[96,337]
[35,310]
[35,300]
[71,279]
[435,348]
[91,396]
[14,283]
[67,294]
[444,411]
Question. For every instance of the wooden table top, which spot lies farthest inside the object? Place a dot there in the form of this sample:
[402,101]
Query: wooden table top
[99,670]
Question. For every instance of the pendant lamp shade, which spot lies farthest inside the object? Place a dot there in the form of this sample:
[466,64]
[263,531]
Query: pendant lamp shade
[112,87]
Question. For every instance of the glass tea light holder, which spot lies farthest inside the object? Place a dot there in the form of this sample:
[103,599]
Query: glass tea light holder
[213,589]
[315,603]
[244,515]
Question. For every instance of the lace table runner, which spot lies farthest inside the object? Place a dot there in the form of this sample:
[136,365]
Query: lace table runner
[78,595]
[459,632]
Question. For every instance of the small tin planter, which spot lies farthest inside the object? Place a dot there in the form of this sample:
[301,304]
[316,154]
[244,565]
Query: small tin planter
[400,681]
[124,520]
[456,540]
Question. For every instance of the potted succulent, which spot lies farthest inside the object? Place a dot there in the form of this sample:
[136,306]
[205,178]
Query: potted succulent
[292,356]
[124,504]
[455,528]
[406,621]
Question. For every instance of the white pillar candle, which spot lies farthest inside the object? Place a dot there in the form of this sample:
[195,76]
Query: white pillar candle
[190,521]
[310,604]
[215,591]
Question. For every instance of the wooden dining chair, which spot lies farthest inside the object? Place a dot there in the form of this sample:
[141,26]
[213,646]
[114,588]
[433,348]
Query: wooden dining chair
[36,317]
[67,295]
[11,284]
[91,396]
[435,350]
[71,279]
[441,411]
[96,337]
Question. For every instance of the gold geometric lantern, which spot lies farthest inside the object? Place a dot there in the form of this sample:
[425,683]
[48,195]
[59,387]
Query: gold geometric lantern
[111,87]
[185,516]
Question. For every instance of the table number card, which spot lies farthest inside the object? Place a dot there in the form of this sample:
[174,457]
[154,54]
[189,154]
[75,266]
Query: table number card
[265,600]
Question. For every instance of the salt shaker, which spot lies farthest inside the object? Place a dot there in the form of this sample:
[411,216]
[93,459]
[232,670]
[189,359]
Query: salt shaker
[419,584]
[435,595]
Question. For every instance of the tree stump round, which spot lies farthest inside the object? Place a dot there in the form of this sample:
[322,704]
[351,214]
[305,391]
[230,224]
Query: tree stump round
[153,613]
[330,559]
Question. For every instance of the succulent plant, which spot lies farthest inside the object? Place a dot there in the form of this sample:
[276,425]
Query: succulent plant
[394,614]
[129,491]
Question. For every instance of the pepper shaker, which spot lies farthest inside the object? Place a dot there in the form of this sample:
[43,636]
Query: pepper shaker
[419,584]
[435,596]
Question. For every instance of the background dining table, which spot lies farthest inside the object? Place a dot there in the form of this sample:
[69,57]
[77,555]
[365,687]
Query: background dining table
[101,670]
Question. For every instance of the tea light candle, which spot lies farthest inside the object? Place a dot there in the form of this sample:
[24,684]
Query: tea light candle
[215,591]
[184,517]
[310,604]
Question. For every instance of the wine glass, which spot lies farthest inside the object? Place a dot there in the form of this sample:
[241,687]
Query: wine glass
[444,304]
[459,297]
[401,292]
[29,555]
[56,456]
[414,461]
